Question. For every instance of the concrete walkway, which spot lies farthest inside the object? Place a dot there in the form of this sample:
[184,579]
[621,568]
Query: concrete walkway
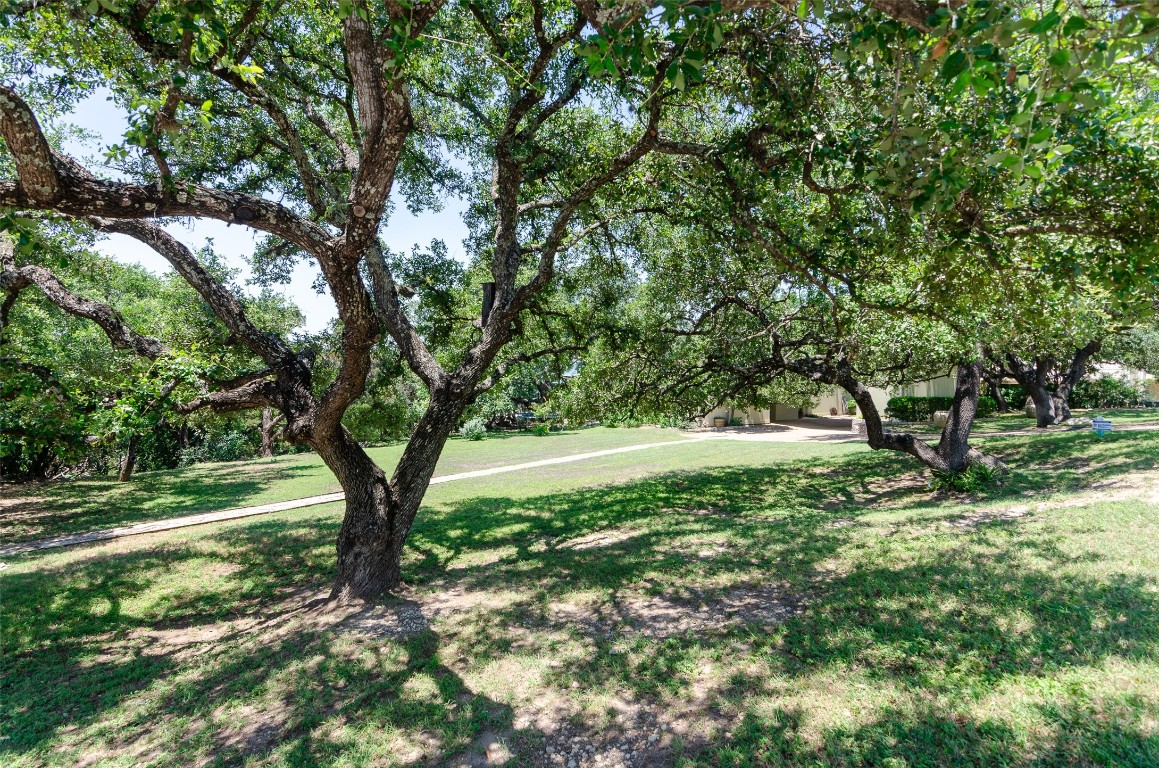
[805,430]
[281,506]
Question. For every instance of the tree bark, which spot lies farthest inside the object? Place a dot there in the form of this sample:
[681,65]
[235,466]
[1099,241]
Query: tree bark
[994,381]
[1035,379]
[953,452]
[129,462]
[380,512]
[1075,373]
[267,431]
[1051,407]
[1045,411]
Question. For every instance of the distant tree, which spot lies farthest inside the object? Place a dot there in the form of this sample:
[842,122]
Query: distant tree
[73,394]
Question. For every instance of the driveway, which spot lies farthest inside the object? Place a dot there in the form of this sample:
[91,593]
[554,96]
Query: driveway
[807,429]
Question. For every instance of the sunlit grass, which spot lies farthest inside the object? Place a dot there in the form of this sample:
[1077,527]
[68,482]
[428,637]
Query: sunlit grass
[1019,627]
[40,510]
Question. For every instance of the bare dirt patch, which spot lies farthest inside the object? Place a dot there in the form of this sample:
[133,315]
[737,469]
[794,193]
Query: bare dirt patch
[659,617]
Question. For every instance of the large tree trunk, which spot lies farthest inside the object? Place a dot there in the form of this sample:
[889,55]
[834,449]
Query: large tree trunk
[267,431]
[953,452]
[1051,407]
[1045,406]
[380,512]
[1074,374]
[129,462]
[1034,377]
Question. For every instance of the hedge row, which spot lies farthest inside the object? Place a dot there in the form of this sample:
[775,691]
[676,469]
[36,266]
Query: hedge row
[906,408]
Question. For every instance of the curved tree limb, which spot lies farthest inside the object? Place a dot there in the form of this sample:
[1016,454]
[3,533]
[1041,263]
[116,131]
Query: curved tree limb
[48,180]
[269,347]
[13,279]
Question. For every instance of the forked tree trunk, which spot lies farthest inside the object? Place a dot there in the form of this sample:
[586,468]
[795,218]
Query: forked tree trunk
[1074,374]
[1052,407]
[380,512]
[953,452]
[129,462]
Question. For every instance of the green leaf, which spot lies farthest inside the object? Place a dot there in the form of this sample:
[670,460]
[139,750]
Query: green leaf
[1074,24]
[1042,135]
[1046,23]
[954,65]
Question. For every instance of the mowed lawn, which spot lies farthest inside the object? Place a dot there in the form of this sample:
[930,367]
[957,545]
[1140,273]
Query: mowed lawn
[1018,420]
[36,511]
[709,604]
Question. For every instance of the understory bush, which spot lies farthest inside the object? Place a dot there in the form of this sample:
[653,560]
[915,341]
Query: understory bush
[231,445]
[1106,392]
[908,408]
[542,429]
[473,429]
[1013,394]
[972,479]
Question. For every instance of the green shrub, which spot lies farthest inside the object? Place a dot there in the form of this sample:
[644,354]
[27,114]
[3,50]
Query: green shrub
[972,479]
[473,429]
[231,445]
[851,408]
[1014,395]
[907,408]
[1106,392]
[542,429]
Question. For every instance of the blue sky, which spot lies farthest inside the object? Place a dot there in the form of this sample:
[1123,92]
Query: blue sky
[101,117]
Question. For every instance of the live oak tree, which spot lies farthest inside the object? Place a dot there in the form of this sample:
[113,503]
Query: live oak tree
[717,321]
[863,205]
[1051,343]
[301,122]
[70,400]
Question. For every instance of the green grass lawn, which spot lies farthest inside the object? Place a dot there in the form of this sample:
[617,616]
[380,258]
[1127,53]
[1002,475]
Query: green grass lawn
[712,604]
[33,512]
[1008,422]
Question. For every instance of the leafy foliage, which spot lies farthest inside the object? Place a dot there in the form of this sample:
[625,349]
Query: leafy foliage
[972,479]
[473,429]
[910,408]
[1107,392]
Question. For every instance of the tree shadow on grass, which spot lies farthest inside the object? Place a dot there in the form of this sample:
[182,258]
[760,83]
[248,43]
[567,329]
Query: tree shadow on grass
[80,505]
[119,652]
[925,736]
[228,672]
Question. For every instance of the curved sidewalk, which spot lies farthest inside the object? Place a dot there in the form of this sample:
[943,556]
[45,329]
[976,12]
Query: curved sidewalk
[264,509]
